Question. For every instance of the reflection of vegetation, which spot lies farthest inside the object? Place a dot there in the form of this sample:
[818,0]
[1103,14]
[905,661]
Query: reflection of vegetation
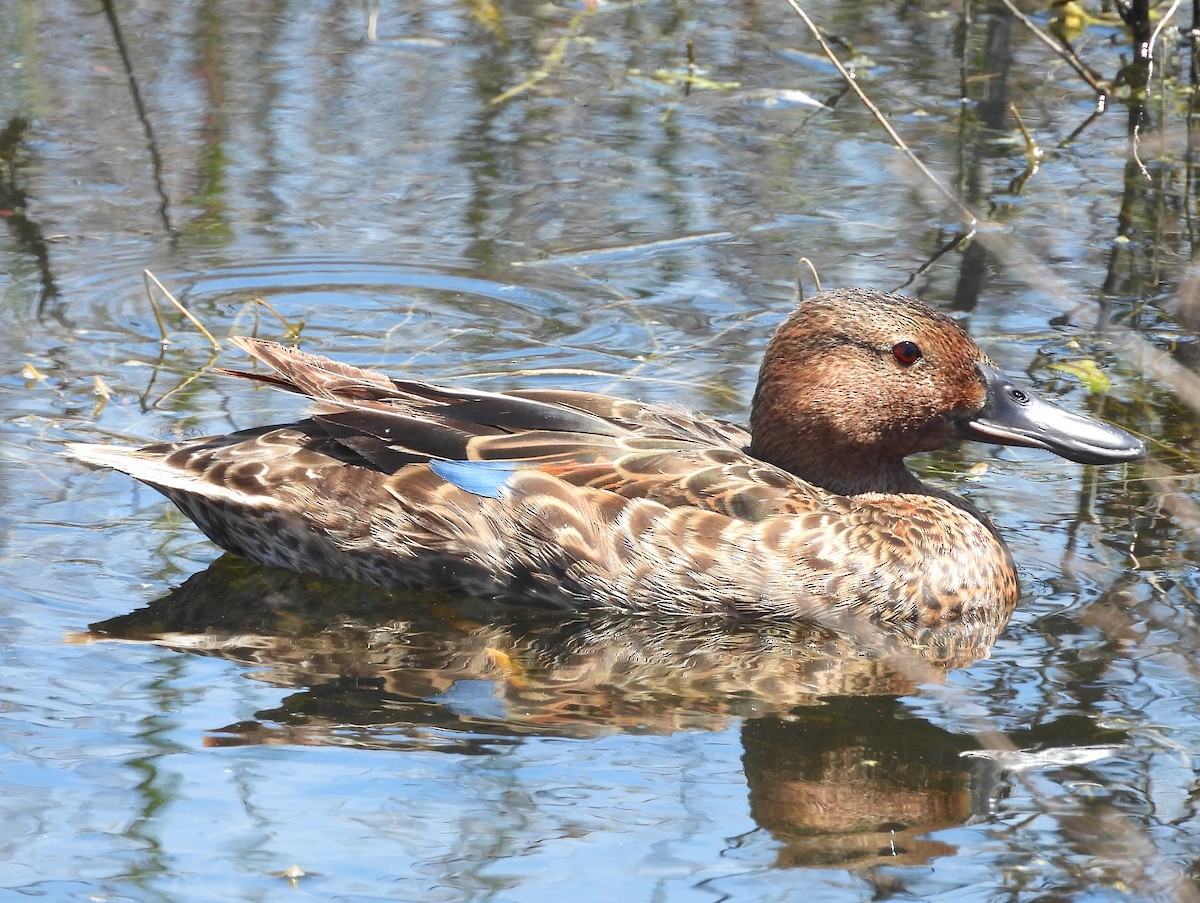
[687,78]
[550,61]
[157,787]
[212,226]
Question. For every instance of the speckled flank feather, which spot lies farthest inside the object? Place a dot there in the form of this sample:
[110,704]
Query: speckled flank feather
[619,506]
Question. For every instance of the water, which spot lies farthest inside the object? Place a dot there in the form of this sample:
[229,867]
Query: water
[178,726]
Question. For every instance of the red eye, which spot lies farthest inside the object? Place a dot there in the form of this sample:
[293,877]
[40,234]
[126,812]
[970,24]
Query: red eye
[907,353]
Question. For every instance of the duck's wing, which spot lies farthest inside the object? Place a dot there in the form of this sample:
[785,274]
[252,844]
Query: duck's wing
[479,440]
[366,430]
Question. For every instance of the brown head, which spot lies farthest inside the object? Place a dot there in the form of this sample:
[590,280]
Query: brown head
[855,380]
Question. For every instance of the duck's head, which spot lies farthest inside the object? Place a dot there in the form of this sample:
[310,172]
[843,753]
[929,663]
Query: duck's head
[854,380]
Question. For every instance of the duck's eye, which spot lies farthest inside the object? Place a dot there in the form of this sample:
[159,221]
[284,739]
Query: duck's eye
[907,353]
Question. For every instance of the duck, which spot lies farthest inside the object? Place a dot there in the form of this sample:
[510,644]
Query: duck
[585,502]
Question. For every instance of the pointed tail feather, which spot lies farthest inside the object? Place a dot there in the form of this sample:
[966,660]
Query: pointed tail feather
[308,374]
[152,468]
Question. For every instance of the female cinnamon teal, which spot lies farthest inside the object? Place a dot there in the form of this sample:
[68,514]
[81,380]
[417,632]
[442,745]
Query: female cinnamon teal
[584,501]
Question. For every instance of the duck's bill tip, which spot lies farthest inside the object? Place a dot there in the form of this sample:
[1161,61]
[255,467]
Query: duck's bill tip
[1013,416]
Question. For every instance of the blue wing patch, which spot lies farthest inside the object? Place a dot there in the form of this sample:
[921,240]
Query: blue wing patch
[483,478]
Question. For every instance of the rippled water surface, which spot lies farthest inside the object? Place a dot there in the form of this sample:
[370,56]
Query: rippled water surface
[510,193]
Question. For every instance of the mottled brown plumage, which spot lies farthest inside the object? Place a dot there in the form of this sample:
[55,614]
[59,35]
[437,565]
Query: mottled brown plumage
[585,501]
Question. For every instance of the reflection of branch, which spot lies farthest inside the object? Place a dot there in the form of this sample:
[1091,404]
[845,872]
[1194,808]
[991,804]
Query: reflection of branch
[1033,153]
[960,240]
[13,202]
[151,144]
[1066,142]
[144,399]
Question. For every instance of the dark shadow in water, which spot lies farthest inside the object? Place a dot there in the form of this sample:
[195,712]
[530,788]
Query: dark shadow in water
[991,117]
[839,771]
[1135,74]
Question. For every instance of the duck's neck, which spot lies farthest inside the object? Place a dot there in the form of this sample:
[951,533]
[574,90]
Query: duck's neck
[841,470]
[827,445]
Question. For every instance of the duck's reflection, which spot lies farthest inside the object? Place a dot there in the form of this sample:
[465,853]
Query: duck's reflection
[833,772]
[858,782]
[368,656]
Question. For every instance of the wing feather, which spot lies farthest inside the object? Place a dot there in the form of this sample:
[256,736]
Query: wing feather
[585,440]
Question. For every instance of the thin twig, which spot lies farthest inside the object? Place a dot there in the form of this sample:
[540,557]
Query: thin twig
[151,279]
[1033,153]
[812,268]
[970,219]
[158,318]
[959,241]
[291,330]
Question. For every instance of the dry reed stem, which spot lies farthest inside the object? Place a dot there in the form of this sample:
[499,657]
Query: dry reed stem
[152,280]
